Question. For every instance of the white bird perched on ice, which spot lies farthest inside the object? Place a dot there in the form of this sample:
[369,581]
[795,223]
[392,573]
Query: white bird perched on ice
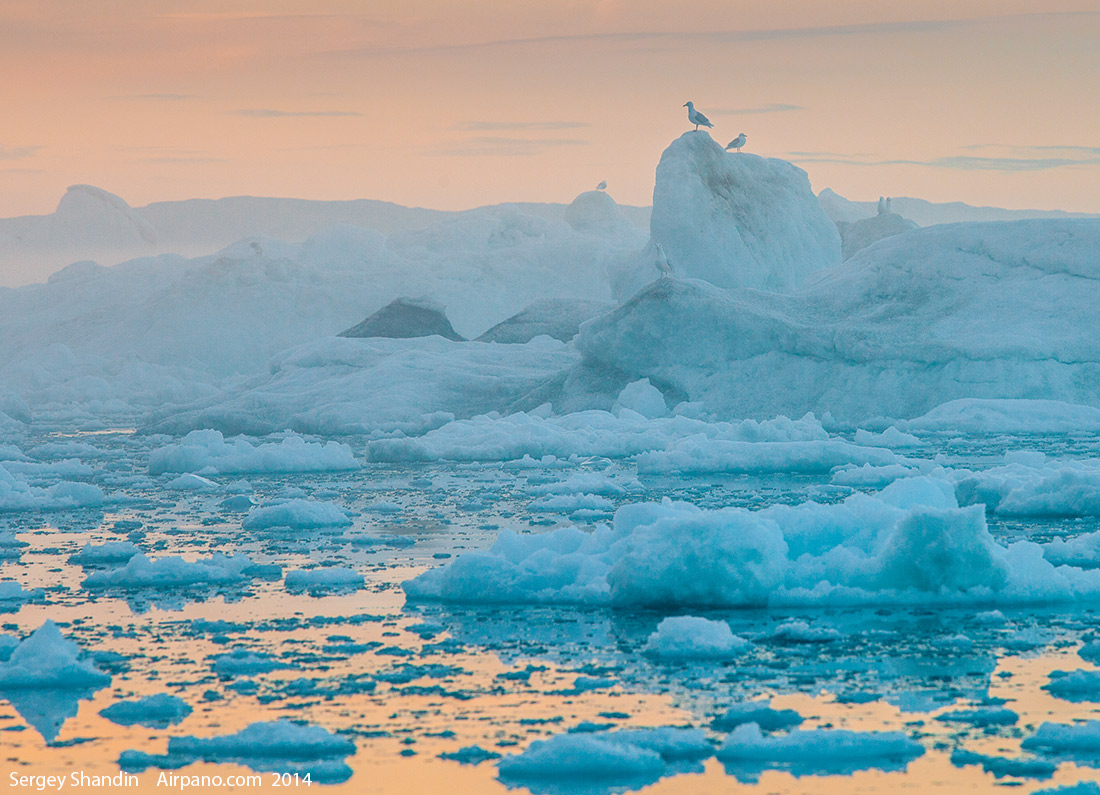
[695,117]
[662,263]
[737,142]
[602,185]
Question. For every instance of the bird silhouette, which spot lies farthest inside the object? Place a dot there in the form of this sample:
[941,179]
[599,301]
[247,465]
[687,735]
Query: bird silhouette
[695,117]
[602,185]
[737,142]
[664,267]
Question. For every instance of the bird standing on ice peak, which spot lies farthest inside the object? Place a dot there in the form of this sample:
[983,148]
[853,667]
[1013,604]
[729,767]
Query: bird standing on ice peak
[695,117]
[664,267]
[737,142]
[602,185]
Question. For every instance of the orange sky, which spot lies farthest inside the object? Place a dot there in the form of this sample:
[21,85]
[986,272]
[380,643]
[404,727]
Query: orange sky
[456,104]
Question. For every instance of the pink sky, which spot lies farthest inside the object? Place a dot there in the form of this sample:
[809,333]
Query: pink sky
[452,105]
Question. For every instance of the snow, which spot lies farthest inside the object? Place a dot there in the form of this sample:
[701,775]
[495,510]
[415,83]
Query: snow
[296,513]
[694,638]
[734,220]
[909,544]
[207,452]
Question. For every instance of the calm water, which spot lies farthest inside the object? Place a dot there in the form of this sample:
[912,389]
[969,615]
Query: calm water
[407,683]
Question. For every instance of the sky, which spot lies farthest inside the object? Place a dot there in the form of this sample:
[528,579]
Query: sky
[453,105]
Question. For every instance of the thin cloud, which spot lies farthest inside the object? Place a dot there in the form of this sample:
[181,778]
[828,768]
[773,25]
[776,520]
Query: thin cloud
[966,163]
[665,38]
[500,146]
[489,126]
[773,108]
[154,97]
[18,152]
[272,113]
[183,160]
[1066,149]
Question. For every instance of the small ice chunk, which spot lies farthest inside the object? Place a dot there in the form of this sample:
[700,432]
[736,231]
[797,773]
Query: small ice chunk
[156,712]
[296,513]
[694,638]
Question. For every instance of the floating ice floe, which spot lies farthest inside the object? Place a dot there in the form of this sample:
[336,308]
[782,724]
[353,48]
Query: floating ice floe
[45,678]
[992,416]
[909,544]
[156,712]
[207,452]
[1082,685]
[601,433]
[296,513]
[1028,484]
[1079,742]
[747,751]
[242,662]
[692,638]
[633,756]
[759,712]
[13,596]
[891,437]
[191,482]
[1082,788]
[16,494]
[331,578]
[280,746]
[142,571]
[10,546]
[1000,766]
[111,552]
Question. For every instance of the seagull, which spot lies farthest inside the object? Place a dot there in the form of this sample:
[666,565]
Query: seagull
[662,263]
[737,142]
[695,117]
[882,205]
[602,185]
